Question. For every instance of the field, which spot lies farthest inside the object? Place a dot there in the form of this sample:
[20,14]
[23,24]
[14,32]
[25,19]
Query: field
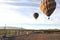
[30,34]
[37,36]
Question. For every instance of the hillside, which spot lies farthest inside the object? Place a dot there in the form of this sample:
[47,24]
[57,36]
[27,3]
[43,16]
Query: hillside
[10,27]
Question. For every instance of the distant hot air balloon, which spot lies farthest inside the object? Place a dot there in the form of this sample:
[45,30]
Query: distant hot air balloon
[35,15]
[48,7]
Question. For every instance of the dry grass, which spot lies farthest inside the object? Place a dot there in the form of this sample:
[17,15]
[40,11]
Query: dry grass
[43,36]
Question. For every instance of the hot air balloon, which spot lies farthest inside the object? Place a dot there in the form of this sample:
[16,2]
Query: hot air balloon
[35,15]
[48,7]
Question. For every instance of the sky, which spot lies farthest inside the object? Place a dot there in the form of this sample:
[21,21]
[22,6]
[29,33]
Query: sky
[19,13]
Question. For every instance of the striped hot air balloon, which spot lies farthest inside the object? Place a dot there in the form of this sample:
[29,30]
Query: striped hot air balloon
[48,7]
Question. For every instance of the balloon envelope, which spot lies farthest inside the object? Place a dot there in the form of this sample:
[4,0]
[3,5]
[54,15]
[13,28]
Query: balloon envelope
[35,15]
[48,7]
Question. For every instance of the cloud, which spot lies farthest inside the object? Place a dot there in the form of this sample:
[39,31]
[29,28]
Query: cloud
[17,11]
[8,16]
[19,1]
[11,16]
[13,13]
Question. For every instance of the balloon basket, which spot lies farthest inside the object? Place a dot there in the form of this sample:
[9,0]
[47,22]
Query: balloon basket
[48,17]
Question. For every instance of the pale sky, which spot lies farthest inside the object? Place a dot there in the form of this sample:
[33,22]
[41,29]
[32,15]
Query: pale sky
[19,13]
